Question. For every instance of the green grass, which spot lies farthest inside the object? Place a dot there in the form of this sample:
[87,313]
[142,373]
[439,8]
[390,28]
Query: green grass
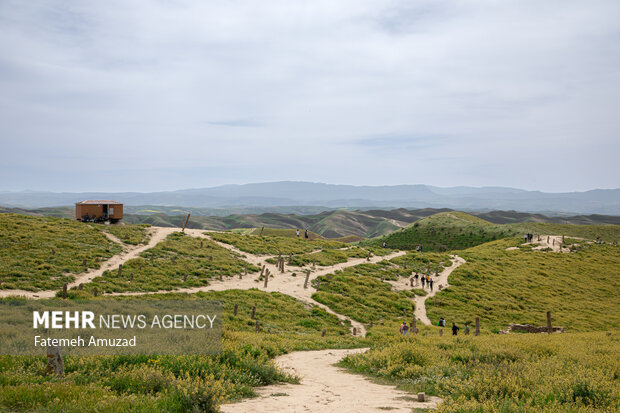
[448,231]
[165,266]
[575,372]
[444,232]
[42,253]
[422,262]
[365,299]
[284,232]
[608,233]
[128,234]
[179,383]
[273,245]
[360,292]
[520,286]
[326,257]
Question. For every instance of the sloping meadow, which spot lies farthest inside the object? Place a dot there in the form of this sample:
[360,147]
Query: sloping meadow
[274,245]
[361,293]
[43,253]
[180,383]
[575,372]
[520,286]
[179,261]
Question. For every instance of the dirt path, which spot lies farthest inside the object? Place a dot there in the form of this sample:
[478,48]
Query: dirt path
[548,241]
[114,239]
[284,283]
[441,279]
[157,234]
[555,243]
[326,388]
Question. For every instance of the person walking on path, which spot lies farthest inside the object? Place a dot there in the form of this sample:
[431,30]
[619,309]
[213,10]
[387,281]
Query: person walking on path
[455,329]
[422,282]
[416,276]
[431,284]
[306,234]
[297,232]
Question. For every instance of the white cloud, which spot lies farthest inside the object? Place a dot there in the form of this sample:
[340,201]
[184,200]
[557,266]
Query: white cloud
[190,93]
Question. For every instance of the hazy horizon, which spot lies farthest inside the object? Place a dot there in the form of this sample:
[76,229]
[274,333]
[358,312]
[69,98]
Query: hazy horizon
[323,183]
[166,95]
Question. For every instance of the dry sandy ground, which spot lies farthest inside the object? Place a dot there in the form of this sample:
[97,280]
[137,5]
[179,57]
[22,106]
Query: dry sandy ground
[441,279]
[546,241]
[326,388]
[157,234]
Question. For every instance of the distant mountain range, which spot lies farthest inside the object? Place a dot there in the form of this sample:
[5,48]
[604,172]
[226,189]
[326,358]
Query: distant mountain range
[285,195]
[329,224]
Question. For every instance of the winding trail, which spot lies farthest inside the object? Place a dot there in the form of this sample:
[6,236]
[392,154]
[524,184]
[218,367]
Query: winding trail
[157,234]
[441,279]
[284,283]
[326,388]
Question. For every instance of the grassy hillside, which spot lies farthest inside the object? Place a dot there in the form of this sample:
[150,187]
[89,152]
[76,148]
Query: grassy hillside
[128,234]
[457,230]
[577,371]
[608,233]
[179,383]
[327,223]
[445,231]
[510,373]
[44,253]
[269,244]
[360,292]
[284,232]
[502,287]
[179,261]
[325,257]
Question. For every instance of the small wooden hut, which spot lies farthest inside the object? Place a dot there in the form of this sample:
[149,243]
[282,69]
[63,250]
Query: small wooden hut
[99,211]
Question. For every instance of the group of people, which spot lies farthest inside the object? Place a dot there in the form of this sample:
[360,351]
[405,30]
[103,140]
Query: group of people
[88,218]
[419,248]
[404,328]
[297,232]
[425,279]
[528,237]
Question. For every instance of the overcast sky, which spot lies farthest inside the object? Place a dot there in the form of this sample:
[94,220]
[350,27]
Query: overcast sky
[158,95]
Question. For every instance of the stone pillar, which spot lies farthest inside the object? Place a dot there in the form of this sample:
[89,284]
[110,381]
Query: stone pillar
[55,364]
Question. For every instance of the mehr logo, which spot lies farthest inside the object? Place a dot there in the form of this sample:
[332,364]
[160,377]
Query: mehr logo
[85,319]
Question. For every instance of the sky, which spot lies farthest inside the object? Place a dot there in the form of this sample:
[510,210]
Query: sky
[170,94]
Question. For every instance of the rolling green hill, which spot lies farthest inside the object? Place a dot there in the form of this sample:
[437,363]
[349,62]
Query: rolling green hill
[519,286]
[44,252]
[457,230]
[576,371]
[326,223]
[445,231]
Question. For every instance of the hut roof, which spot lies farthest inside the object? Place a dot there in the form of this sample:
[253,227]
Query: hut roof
[99,202]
